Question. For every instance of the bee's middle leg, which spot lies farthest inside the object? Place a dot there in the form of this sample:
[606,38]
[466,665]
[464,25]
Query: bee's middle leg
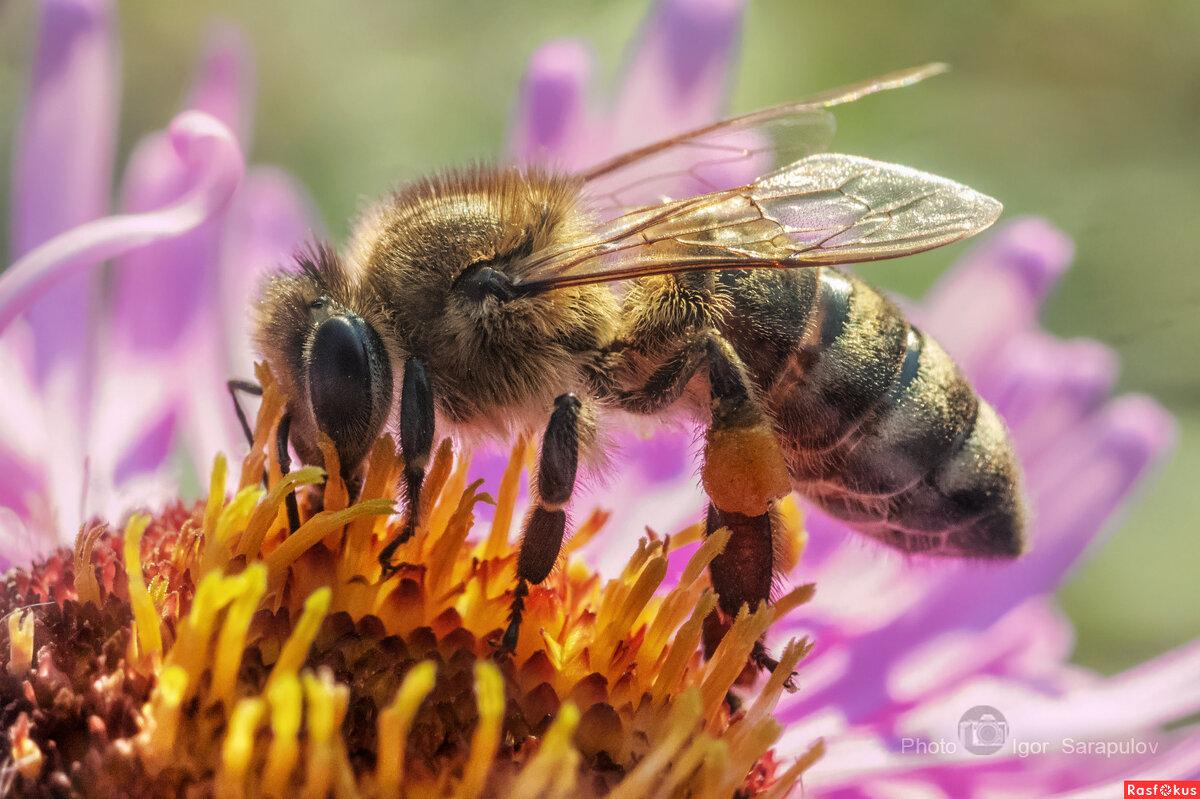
[416,443]
[547,522]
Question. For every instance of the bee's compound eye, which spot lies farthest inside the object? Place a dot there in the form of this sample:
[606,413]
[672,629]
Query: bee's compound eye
[341,384]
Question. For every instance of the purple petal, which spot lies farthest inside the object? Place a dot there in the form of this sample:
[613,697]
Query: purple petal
[1077,492]
[679,75]
[224,81]
[270,219]
[214,168]
[267,223]
[1074,497]
[549,122]
[994,292]
[148,453]
[159,292]
[62,166]
[1044,387]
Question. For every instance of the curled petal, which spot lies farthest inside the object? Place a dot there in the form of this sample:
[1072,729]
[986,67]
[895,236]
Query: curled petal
[268,222]
[159,292]
[214,166]
[549,122]
[62,167]
[224,84]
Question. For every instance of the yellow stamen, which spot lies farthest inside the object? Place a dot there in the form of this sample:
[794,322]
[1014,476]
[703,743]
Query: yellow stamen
[682,720]
[292,656]
[269,412]
[216,497]
[506,500]
[233,517]
[327,766]
[145,616]
[238,748]
[683,649]
[731,655]
[164,711]
[336,495]
[20,642]
[25,752]
[191,645]
[270,506]
[789,778]
[557,756]
[86,586]
[231,641]
[395,722]
[586,531]
[316,529]
[287,710]
[489,692]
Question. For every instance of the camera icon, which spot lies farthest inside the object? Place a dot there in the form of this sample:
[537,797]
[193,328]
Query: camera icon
[982,730]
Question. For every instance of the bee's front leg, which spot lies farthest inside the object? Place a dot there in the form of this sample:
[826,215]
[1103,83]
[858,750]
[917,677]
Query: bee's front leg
[282,430]
[416,443]
[547,522]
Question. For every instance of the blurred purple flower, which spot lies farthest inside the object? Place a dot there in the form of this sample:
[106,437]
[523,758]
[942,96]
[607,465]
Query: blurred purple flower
[106,379]
[903,646]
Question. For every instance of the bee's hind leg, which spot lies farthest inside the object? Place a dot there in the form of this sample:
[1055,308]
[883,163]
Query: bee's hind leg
[547,521]
[744,474]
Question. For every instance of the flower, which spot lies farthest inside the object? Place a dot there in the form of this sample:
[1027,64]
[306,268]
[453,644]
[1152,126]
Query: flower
[208,652]
[903,647]
[191,236]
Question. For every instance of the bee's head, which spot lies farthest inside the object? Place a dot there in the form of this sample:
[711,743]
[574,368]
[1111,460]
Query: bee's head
[315,330]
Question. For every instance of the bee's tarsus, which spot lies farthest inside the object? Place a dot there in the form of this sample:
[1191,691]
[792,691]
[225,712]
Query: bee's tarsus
[508,643]
[285,466]
[763,660]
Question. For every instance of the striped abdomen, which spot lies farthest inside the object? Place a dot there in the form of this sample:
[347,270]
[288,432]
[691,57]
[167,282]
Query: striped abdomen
[878,425]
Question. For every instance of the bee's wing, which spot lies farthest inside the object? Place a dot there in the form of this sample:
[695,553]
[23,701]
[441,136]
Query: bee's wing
[729,153]
[824,209]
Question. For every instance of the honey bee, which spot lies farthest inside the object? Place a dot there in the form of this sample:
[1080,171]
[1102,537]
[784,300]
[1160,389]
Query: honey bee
[497,301]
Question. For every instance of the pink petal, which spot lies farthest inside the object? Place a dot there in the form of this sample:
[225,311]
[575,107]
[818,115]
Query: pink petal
[1044,387]
[224,81]
[679,75]
[158,292]
[994,292]
[549,121]
[268,221]
[62,166]
[214,169]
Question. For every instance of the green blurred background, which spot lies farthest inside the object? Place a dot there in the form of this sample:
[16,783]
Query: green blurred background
[1085,112]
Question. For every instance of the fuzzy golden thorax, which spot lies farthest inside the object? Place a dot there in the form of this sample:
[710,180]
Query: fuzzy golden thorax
[443,254]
